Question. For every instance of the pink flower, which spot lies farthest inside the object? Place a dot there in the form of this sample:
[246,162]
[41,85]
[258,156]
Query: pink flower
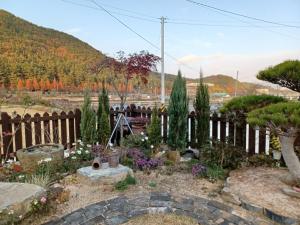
[43,200]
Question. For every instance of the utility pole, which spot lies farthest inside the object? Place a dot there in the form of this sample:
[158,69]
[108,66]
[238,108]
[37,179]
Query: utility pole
[236,83]
[162,20]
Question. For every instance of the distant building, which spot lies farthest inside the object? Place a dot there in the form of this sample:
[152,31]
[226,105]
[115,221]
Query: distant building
[265,91]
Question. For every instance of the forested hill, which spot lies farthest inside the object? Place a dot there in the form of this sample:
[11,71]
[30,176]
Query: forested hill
[29,51]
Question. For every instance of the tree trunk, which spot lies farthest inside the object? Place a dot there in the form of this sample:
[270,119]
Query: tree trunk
[289,155]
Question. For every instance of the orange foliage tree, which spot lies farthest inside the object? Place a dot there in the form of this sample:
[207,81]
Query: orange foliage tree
[20,85]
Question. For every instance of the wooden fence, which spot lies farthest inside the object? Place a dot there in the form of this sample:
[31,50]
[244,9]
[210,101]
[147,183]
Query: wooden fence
[18,132]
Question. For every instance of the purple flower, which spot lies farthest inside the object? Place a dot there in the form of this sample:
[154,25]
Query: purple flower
[199,170]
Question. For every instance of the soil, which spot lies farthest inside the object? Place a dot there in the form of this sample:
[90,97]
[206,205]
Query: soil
[262,186]
[168,219]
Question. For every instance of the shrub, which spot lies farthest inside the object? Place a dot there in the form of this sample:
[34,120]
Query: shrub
[123,185]
[88,121]
[215,172]
[154,128]
[103,117]
[202,108]
[178,113]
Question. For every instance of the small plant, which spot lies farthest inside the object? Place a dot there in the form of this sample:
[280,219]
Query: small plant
[154,128]
[152,184]
[39,205]
[215,172]
[42,180]
[123,185]
[199,170]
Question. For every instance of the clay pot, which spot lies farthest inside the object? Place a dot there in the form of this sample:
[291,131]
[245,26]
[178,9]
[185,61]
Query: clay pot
[173,156]
[113,159]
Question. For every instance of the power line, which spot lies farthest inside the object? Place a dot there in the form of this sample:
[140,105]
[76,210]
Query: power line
[241,15]
[132,30]
[113,12]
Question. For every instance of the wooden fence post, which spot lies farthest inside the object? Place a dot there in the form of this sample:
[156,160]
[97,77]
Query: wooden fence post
[28,130]
[71,128]
[17,121]
[47,135]
[55,128]
[77,123]
[223,122]
[6,134]
[251,140]
[215,120]
[37,128]
[63,124]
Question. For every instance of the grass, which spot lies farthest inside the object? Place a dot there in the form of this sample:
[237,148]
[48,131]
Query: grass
[165,219]
[123,185]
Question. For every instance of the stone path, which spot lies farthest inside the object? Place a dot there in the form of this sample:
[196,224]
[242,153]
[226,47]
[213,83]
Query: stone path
[121,209]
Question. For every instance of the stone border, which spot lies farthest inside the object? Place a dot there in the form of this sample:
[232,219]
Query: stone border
[121,209]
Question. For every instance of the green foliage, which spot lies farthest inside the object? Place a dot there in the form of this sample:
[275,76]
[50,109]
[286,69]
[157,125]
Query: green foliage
[202,108]
[132,141]
[152,184]
[88,121]
[123,185]
[215,172]
[286,74]
[224,155]
[281,115]
[28,51]
[248,103]
[103,129]
[103,102]
[154,128]
[178,113]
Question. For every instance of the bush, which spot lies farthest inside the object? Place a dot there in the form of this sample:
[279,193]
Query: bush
[224,155]
[123,185]
[215,172]
[154,128]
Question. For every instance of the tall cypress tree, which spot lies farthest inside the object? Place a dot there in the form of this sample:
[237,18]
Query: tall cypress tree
[154,128]
[102,115]
[202,108]
[88,121]
[178,114]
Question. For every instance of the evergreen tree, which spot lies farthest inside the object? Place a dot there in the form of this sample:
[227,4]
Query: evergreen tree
[102,115]
[178,114]
[202,108]
[88,121]
[154,128]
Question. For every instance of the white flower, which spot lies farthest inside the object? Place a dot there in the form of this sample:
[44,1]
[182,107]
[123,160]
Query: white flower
[79,141]
[35,202]
[78,152]
[66,154]
[11,212]
[143,140]
[88,145]
[80,148]
[74,144]
[21,176]
[40,162]
[73,157]
[10,161]
[142,133]
[20,217]
[87,152]
[151,146]
[146,138]
[111,144]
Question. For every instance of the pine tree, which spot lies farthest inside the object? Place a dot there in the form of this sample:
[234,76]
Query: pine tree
[202,108]
[102,115]
[154,128]
[88,121]
[178,114]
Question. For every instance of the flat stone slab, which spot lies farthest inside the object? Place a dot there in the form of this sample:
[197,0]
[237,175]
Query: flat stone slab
[103,176]
[18,196]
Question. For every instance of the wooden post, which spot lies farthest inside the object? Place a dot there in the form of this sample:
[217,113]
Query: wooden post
[37,128]
[251,140]
[77,123]
[17,121]
[28,130]
[63,124]
[223,121]
[215,120]
[6,134]
[55,128]
[71,127]
[47,136]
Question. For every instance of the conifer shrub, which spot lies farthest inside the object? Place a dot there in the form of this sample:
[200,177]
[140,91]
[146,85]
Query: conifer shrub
[178,114]
[88,130]
[154,128]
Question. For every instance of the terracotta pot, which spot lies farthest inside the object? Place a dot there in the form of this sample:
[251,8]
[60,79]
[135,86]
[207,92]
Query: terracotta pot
[174,156]
[113,159]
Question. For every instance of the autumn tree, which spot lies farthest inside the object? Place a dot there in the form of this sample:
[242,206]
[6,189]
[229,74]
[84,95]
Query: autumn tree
[42,85]
[286,74]
[126,67]
[28,85]
[35,85]
[20,85]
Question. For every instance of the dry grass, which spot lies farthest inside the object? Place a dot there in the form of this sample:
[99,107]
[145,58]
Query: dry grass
[166,219]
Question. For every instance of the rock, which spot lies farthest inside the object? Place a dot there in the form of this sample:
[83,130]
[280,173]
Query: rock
[18,197]
[174,156]
[103,176]
[230,197]
[291,192]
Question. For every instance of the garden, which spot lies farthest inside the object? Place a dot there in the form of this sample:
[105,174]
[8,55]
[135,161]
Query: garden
[239,167]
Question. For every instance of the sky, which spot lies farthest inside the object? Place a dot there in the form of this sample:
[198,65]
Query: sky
[195,36]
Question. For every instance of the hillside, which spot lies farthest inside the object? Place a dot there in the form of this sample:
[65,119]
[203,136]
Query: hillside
[29,51]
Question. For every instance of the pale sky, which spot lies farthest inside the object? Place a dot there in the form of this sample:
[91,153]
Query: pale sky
[195,36]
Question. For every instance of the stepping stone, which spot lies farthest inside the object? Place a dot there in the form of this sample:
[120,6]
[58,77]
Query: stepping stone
[18,196]
[90,176]
[291,192]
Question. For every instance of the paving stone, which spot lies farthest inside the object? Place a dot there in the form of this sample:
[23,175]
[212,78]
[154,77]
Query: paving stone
[94,220]
[75,218]
[116,220]
[279,218]
[158,203]
[137,212]
[220,205]
[155,210]
[160,196]
[251,207]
